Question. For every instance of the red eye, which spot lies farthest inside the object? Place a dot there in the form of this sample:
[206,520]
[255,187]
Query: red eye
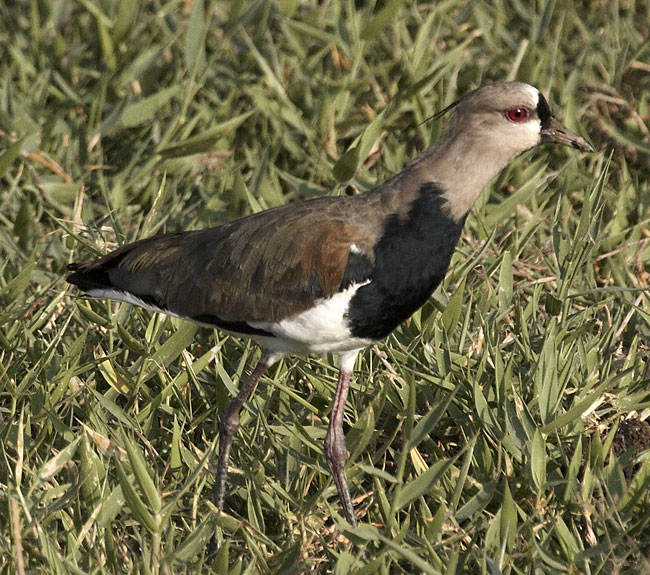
[518,114]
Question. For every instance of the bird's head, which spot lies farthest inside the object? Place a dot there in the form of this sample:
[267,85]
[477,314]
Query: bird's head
[487,129]
[511,116]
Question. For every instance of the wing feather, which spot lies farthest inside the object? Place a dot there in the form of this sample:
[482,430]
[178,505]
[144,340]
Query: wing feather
[264,267]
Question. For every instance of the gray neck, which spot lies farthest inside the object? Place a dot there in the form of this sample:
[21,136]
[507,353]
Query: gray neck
[462,167]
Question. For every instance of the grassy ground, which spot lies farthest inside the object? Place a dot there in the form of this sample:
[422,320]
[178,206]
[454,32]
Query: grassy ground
[485,434]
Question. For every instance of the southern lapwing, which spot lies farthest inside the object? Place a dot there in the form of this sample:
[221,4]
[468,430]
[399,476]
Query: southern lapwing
[333,274]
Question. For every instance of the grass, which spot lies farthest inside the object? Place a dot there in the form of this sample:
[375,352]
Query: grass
[480,432]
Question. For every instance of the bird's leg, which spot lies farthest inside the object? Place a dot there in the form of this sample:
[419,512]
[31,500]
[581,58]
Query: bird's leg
[229,425]
[335,450]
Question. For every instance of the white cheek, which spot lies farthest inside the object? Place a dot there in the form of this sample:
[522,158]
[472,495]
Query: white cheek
[516,138]
[532,131]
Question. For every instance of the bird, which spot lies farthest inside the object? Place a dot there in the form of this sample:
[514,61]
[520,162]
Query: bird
[333,274]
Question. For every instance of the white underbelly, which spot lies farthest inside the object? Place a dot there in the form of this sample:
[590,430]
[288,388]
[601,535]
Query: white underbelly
[321,329]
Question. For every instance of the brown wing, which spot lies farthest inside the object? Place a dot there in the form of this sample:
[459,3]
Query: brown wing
[264,267]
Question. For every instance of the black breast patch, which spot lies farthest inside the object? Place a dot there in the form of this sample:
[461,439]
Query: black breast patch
[411,259]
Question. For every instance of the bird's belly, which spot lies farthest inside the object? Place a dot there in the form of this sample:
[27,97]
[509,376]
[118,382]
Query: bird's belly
[324,328]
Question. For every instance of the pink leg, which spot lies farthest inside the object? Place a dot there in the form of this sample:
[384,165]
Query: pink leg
[335,449]
[229,425]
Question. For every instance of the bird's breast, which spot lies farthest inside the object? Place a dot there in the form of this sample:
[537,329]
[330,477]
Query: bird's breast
[411,258]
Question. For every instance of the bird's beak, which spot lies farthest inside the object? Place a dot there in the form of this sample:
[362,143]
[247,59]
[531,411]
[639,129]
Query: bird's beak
[557,133]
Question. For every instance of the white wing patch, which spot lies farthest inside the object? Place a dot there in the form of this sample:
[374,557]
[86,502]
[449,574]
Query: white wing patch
[127,297]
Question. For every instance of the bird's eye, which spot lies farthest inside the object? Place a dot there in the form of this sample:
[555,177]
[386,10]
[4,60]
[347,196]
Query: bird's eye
[519,114]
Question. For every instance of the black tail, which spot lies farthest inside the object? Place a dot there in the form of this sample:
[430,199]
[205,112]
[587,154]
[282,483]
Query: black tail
[86,276]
